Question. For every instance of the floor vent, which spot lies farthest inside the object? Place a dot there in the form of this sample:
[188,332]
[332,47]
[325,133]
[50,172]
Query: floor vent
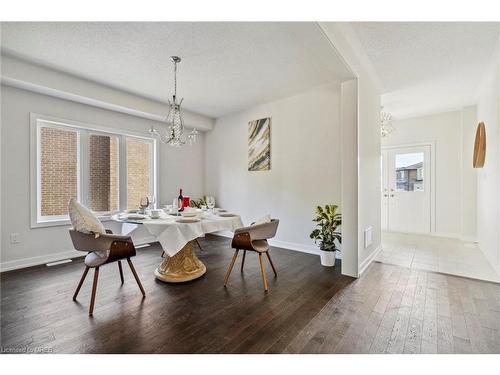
[58,262]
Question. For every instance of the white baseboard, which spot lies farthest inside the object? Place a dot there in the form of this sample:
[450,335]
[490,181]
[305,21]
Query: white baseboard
[54,257]
[42,259]
[309,249]
[145,240]
[224,233]
[369,260]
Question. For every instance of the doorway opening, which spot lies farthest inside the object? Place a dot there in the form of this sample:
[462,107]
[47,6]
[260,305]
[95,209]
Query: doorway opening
[408,210]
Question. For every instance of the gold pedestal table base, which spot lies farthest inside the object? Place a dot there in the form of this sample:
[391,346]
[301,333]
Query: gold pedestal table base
[183,266]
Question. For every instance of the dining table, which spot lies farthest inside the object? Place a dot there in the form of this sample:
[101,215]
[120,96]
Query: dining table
[175,233]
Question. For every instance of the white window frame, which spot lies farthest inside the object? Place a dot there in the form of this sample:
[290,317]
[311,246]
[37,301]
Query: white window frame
[83,131]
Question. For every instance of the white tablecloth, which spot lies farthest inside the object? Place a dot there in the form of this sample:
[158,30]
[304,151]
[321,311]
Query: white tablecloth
[173,236]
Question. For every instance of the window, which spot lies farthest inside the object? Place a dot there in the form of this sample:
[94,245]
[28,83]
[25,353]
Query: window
[410,172]
[103,173]
[420,174]
[401,175]
[58,170]
[138,170]
[106,171]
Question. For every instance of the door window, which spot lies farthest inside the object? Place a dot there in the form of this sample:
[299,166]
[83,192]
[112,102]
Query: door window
[409,172]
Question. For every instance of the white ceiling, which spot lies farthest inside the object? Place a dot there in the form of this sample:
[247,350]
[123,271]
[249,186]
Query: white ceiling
[226,67]
[428,67]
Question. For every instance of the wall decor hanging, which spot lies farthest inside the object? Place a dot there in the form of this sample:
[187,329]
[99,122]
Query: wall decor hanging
[259,145]
[479,146]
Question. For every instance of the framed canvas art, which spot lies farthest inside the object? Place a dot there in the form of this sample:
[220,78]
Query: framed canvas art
[259,145]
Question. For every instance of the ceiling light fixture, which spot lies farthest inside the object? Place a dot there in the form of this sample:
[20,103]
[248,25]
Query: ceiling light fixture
[386,120]
[174,134]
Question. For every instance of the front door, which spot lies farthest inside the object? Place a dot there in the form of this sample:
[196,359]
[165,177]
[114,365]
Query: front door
[406,193]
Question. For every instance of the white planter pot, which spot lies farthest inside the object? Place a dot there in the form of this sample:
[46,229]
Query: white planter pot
[327,258]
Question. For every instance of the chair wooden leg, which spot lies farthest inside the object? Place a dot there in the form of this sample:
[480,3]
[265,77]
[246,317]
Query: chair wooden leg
[94,288]
[80,283]
[263,272]
[271,262]
[198,243]
[136,277]
[121,270]
[243,260]
[230,267]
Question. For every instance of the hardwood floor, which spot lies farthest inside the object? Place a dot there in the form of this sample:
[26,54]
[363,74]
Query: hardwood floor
[308,309]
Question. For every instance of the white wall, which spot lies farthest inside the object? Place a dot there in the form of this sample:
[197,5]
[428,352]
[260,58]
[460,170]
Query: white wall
[469,176]
[178,168]
[369,204]
[488,184]
[453,136]
[349,176]
[305,163]
[367,143]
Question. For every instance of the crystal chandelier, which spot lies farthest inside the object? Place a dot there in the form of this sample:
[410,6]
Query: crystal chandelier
[174,134]
[386,126]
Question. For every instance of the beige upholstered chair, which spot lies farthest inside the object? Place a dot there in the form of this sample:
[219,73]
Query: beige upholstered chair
[106,248]
[254,238]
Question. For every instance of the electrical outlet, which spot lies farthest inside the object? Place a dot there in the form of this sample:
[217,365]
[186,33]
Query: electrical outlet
[15,238]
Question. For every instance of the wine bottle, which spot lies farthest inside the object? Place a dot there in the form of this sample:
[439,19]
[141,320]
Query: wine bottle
[180,201]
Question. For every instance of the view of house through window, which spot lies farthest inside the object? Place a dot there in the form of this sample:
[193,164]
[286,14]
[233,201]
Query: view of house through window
[138,171]
[410,172]
[58,170]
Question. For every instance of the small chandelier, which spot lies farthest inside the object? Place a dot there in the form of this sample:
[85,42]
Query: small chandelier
[386,126]
[174,134]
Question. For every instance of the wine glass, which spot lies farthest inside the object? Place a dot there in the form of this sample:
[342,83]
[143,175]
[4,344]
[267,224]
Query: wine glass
[211,203]
[175,207]
[144,203]
[152,202]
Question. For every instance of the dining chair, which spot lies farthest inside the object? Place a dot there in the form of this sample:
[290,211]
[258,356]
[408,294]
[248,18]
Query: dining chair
[106,248]
[254,238]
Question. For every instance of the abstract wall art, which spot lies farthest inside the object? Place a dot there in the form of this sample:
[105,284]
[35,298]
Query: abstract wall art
[479,155]
[259,145]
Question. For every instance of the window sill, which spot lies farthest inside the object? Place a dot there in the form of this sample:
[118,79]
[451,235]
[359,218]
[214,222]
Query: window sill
[64,222]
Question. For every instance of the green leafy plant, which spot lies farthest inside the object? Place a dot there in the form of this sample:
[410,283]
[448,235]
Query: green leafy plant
[326,232]
[197,203]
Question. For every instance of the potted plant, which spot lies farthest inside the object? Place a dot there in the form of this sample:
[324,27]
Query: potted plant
[197,203]
[327,223]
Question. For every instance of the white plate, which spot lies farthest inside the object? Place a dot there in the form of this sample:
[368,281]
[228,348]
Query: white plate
[226,214]
[187,220]
[135,217]
[188,214]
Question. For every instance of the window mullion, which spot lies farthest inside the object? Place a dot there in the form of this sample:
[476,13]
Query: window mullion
[153,173]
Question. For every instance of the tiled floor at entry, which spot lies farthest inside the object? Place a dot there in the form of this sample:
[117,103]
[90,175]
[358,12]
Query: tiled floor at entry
[437,254]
